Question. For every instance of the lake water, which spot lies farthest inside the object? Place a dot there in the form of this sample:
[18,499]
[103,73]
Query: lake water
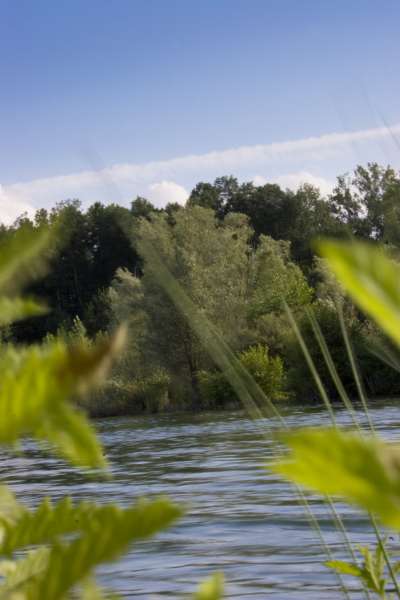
[240,519]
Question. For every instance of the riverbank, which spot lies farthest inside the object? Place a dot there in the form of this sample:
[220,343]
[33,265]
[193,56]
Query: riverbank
[117,399]
[123,400]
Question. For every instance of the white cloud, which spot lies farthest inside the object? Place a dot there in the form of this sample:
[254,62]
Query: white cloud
[259,181]
[294,180]
[164,192]
[132,178]
[11,207]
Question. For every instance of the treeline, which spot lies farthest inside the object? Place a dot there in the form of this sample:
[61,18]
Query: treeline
[238,251]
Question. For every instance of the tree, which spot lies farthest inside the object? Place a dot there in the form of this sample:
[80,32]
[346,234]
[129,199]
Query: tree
[231,282]
[140,207]
[276,279]
[368,202]
[281,214]
[216,196]
[212,273]
[90,248]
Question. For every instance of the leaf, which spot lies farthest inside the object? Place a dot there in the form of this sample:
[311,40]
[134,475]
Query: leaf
[91,591]
[14,309]
[88,365]
[396,567]
[365,471]
[371,278]
[24,257]
[345,568]
[211,589]
[36,387]
[10,509]
[70,433]
[107,533]
[45,524]
[20,572]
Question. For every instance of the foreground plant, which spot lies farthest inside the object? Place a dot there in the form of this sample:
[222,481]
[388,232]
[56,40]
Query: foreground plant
[50,552]
[363,470]
[371,572]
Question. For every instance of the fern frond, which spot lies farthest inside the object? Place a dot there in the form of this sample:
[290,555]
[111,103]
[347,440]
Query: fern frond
[108,531]
[45,524]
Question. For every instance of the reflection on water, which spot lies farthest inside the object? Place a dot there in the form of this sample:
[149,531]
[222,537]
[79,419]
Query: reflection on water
[240,519]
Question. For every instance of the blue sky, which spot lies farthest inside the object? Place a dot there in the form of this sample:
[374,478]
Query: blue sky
[103,100]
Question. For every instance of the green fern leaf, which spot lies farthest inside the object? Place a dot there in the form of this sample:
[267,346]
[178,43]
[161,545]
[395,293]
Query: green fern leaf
[108,532]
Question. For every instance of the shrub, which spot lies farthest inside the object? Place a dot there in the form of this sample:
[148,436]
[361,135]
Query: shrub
[266,370]
[118,397]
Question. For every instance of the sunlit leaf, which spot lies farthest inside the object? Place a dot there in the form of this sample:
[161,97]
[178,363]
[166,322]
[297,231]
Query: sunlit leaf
[211,589]
[91,591]
[371,278]
[46,523]
[10,509]
[364,471]
[19,573]
[35,390]
[345,568]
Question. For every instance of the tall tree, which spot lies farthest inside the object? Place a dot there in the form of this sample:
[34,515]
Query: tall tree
[232,283]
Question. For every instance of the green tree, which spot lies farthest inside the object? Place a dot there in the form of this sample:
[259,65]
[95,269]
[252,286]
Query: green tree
[233,283]
[368,202]
[210,261]
[216,196]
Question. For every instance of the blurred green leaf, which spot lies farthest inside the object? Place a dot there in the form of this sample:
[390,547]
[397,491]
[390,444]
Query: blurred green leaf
[10,509]
[107,533]
[18,573]
[49,523]
[345,568]
[35,391]
[211,589]
[46,523]
[370,277]
[91,591]
[364,471]
[14,309]
[24,256]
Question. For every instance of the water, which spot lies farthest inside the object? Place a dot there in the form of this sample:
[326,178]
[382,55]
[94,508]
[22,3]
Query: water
[240,518]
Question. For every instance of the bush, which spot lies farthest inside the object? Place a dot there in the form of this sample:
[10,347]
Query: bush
[267,371]
[117,397]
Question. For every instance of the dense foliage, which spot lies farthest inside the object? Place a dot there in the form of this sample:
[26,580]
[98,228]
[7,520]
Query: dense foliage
[239,251]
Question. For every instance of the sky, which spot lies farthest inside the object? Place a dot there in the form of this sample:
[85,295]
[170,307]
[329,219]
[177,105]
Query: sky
[104,100]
